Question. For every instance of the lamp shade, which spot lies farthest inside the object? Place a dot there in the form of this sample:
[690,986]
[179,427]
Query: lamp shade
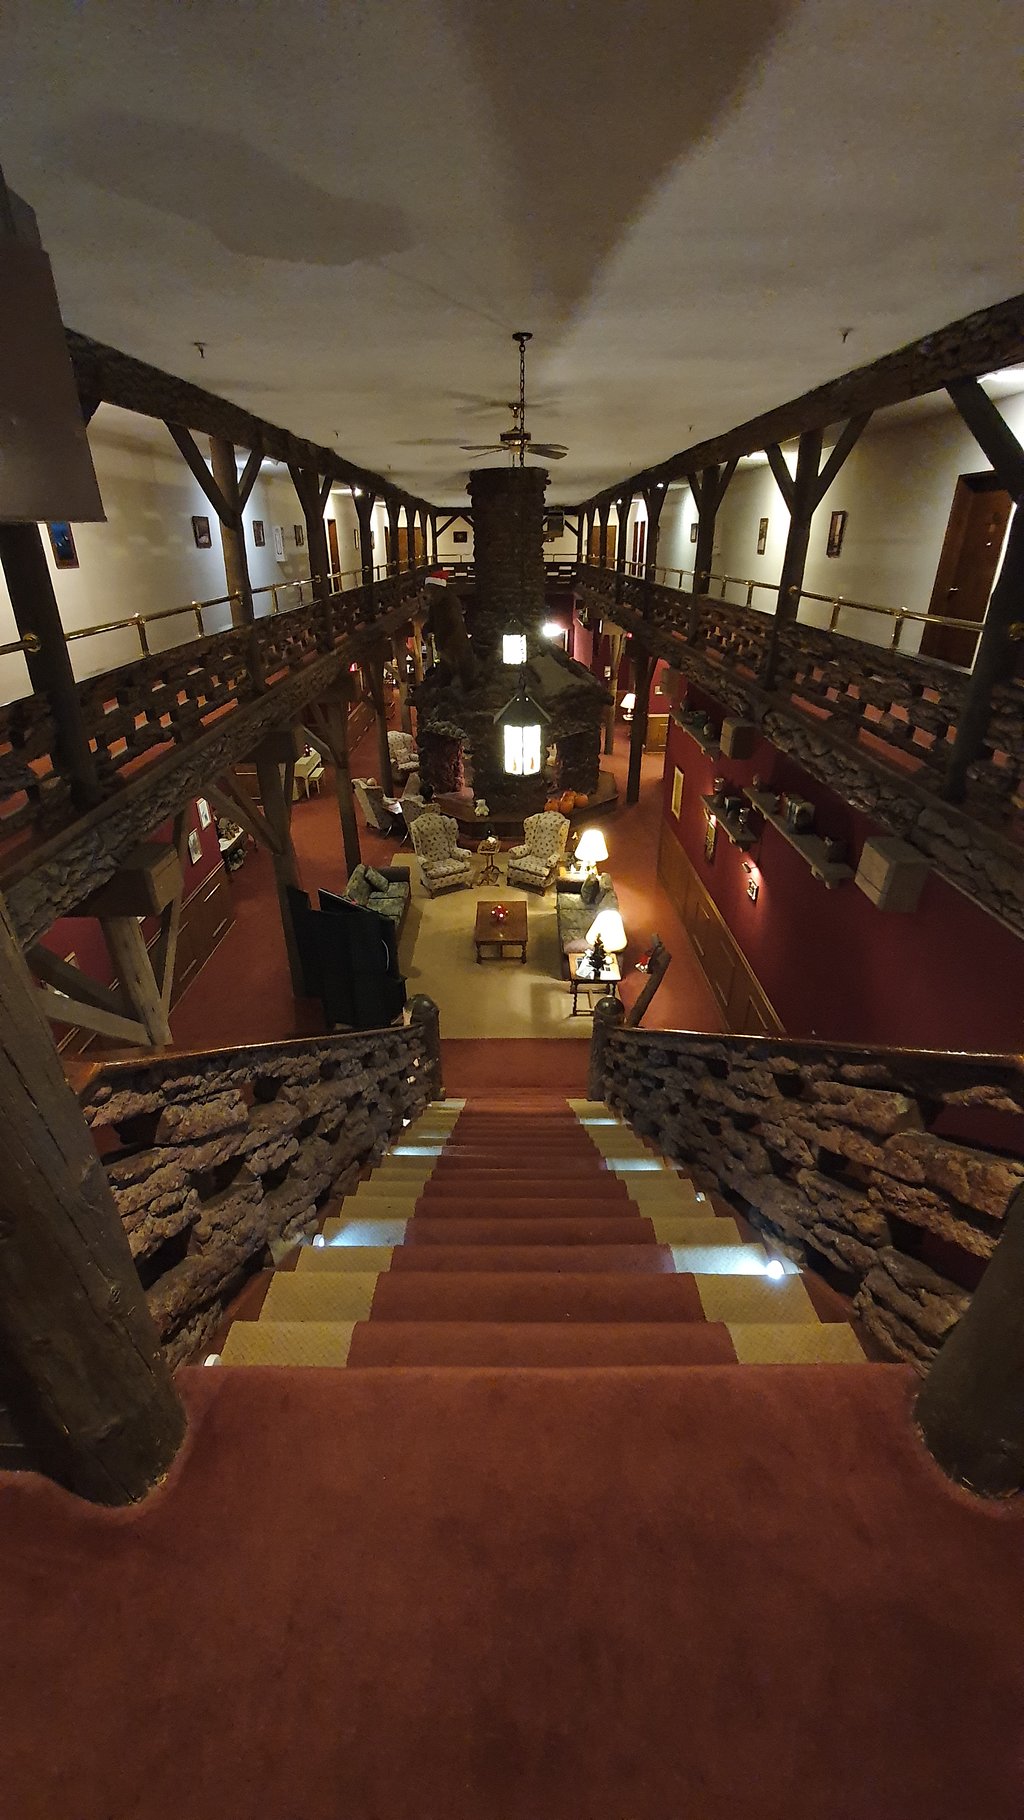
[591,848]
[609,926]
[628,702]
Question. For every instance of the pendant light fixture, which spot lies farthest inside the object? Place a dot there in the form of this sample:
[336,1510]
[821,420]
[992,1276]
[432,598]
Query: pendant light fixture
[520,721]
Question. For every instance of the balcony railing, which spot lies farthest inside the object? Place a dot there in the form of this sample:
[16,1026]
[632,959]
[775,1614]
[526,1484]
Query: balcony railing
[838,604]
[140,711]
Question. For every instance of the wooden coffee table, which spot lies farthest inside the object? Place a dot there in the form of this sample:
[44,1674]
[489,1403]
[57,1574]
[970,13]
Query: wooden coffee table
[511,933]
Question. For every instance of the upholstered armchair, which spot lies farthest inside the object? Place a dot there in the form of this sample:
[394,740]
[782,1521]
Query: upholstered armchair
[533,864]
[374,805]
[444,865]
[402,748]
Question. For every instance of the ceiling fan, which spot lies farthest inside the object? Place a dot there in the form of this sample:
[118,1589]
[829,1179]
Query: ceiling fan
[517,441]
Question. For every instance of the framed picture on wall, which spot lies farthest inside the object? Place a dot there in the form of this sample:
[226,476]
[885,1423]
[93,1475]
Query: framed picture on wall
[205,818]
[460,537]
[62,543]
[677,792]
[195,847]
[259,535]
[710,837]
[201,533]
[762,535]
[279,542]
[836,533]
[693,531]
[300,536]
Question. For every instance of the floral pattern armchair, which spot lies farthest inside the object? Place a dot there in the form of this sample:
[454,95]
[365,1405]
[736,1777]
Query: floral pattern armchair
[402,748]
[444,865]
[533,864]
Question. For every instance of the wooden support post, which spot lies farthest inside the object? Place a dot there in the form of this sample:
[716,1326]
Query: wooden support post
[363,503]
[971,1409]
[708,489]
[232,531]
[83,1375]
[622,510]
[393,508]
[400,647]
[312,499]
[48,661]
[127,944]
[417,649]
[993,662]
[336,715]
[276,798]
[654,499]
[1002,628]
[643,669]
[375,678]
[603,512]
[580,534]
[803,492]
[616,640]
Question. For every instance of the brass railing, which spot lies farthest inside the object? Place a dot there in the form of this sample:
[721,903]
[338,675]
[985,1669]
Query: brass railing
[839,603]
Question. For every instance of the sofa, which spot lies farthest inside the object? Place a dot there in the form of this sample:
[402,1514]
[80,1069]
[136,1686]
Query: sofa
[575,916]
[392,903]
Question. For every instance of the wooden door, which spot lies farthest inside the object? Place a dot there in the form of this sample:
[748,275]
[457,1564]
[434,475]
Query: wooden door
[967,566]
[403,547]
[333,555]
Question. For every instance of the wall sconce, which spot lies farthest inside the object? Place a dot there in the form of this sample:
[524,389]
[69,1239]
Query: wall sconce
[753,880]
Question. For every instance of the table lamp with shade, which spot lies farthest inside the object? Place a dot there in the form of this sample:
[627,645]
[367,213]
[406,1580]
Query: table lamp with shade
[606,935]
[591,850]
[628,705]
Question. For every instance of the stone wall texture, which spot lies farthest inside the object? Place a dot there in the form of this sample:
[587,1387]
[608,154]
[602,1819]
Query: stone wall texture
[837,1154]
[216,1157]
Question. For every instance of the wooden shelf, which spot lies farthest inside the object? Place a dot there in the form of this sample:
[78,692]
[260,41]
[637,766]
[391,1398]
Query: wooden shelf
[740,837]
[810,847]
[710,746]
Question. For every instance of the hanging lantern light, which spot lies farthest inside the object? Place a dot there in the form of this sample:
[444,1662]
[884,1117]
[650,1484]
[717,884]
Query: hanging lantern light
[513,648]
[521,731]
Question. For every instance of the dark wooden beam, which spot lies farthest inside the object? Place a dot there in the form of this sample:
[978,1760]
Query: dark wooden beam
[848,436]
[84,1378]
[993,434]
[783,478]
[47,659]
[980,343]
[188,449]
[247,478]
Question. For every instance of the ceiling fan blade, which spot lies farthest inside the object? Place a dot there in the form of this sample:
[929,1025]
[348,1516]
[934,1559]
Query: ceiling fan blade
[551,451]
[482,448]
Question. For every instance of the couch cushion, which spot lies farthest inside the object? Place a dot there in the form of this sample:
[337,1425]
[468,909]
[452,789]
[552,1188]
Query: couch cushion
[377,880]
[358,888]
[590,890]
[446,868]
[385,905]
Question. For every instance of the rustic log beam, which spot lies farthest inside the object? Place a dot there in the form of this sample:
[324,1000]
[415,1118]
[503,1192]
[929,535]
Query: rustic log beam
[84,1379]
[309,491]
[971,1409]
[603,513]
[60,1008]
[165,950]
[249,476]
[654,499]
[708,489]
[364,503]
[232,801]
[127,944]
[330,724]
[275,796]
[643,671]
[992,433]
[232,534]
[71,983]
[192,455]
[375,677]
[37,617]
[993,662]
[622,510]
[850,434]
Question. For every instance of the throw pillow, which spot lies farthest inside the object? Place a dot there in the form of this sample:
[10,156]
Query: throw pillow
[590,890]
[377,880]
[605,882]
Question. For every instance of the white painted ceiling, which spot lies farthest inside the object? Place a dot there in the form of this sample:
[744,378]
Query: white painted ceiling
[354,205]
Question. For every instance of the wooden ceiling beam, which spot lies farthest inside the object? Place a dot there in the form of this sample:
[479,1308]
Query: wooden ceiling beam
[105,375]
[974,345]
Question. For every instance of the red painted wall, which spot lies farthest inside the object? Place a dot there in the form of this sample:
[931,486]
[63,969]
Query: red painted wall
[82,935]
[949,976]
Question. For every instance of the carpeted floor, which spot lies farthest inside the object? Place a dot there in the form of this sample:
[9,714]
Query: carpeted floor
[732,1594]
[244,993]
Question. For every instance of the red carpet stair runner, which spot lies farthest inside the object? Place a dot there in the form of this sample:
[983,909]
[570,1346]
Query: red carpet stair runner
[532,1234]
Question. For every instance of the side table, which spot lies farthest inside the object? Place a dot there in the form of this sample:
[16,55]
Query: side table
[487,850]
[604,982]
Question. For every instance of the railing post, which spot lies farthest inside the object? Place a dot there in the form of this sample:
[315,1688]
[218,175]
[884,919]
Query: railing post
[84,1379]
[971,1409]
[608,1017]
[992,664]
[47,658]
[425,1015]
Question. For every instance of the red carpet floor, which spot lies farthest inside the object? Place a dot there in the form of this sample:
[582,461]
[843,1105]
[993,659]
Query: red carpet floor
[244,992]
[725,1594]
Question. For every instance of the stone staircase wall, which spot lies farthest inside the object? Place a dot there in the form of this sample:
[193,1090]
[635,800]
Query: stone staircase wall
[888,1170]
[215,1156]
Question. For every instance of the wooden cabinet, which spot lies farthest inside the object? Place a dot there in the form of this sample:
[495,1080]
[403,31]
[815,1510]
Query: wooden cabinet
[745,1005]
[206,918]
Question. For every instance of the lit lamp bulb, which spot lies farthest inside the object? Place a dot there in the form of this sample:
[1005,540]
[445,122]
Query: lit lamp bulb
[552,629]
[591,850]
[608,925]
